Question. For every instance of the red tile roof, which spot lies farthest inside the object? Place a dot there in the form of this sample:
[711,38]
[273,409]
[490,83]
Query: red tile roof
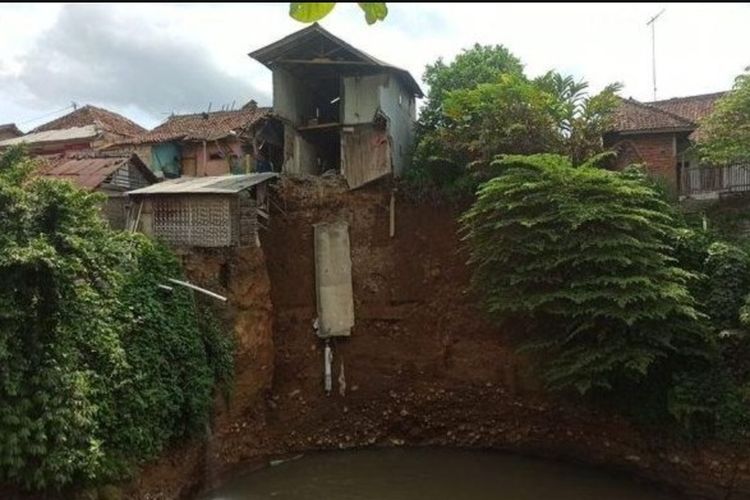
[668,115]
[203,126]
[89,172]
[10,130]
[634,116]
[105,120]
[693,108]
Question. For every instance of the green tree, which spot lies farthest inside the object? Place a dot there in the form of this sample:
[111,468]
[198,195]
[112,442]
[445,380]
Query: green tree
[511,115]
[726,131]
[480,64]
[579,259]
[482,105]
[581,118]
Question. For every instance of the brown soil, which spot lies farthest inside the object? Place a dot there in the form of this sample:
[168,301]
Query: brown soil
[423,366]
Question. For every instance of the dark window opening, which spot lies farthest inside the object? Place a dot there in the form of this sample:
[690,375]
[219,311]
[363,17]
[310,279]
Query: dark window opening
[327,143]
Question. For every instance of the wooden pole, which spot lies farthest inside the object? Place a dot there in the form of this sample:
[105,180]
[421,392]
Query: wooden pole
[137,218]
[393,215]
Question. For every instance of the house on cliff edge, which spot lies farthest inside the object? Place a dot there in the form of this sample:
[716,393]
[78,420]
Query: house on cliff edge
[342,110]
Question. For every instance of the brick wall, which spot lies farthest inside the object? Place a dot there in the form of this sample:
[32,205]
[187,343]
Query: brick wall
[656,151]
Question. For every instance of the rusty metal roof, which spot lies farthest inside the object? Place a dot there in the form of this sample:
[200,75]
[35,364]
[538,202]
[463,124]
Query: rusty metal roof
[220,184]
[90,172]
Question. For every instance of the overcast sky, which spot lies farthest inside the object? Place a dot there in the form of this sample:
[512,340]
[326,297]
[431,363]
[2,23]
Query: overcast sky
[148,60]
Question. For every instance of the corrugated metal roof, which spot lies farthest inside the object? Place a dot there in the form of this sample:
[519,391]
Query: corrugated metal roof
[221,184]
[68,134]
[90,172]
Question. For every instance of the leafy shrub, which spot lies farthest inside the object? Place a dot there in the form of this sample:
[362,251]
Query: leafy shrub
[581,258]
[725,134]
[99,368]
[727,270]
[710,404]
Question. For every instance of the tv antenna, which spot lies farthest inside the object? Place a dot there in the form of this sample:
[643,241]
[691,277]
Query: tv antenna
[652,22]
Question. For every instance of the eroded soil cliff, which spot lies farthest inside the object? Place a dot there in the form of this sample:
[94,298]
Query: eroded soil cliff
[423,365]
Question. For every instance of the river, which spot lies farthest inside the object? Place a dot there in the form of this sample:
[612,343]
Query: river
[431,474]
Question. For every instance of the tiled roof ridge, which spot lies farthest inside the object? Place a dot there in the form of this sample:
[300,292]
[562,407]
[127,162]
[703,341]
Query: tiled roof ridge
[688,97]
[656,109]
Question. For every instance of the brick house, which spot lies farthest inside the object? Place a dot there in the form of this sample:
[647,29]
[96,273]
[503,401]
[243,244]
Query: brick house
[661,135]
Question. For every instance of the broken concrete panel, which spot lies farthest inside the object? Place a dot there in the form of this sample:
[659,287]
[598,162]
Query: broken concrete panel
[333,279]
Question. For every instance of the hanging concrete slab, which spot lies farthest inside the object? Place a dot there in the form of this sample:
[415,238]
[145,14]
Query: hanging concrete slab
[333,279]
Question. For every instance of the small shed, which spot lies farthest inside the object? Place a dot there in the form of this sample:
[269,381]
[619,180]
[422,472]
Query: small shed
[111,175]
[218,211]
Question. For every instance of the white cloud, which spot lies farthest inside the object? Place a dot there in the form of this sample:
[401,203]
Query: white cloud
[700,47]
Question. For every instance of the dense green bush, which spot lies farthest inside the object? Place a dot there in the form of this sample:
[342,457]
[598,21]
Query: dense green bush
[725,133]
[99,368]
[614,294]
[581,256]
[727,282]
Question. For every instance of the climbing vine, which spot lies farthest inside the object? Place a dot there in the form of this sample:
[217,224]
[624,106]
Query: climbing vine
[99,367]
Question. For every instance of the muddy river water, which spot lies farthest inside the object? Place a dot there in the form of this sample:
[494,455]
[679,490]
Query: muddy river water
[431,474]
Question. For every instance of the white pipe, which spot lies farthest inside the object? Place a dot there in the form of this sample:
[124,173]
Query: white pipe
[327,361]
[198,289]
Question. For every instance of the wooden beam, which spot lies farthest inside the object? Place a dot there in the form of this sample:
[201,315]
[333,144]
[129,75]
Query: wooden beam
[319,126]
[324,62]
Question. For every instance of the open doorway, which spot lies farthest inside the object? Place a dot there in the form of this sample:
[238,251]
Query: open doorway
[326,144]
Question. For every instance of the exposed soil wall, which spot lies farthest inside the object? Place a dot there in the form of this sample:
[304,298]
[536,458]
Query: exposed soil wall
[422,367]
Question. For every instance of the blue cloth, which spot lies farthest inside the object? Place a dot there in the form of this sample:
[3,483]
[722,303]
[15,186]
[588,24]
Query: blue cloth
[263,166]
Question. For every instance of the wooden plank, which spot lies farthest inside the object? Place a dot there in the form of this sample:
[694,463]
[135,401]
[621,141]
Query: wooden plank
[326,62]
[319,126]
[365,155]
